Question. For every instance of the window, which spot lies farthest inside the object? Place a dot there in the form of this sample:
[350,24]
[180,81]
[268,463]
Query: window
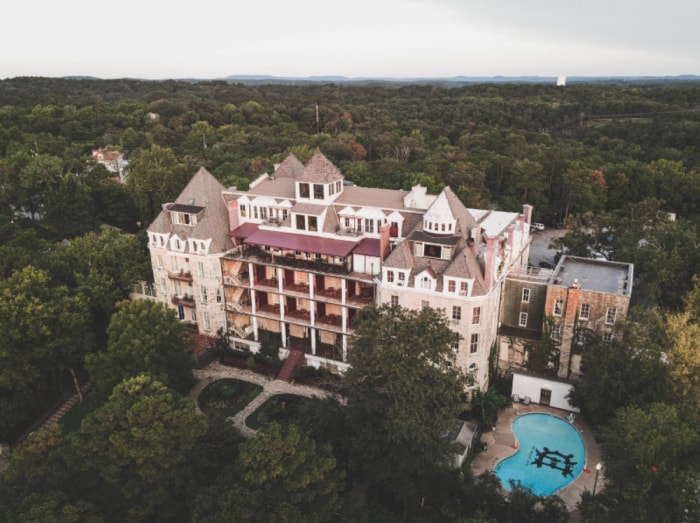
[203,291]
[218,295]
[402,278]
[451,286]
[200,269]
[369,226]
[464,289]
[474,344]
[347,223]
[303,190]
[193,315]
[558,307]
[456,314]
[425,282]
[607,337]
[455,344]
[526,295]
[556,332]
[476,315]
[313,223]
[163,288]
[390,276]
[244,211]
[173,264]
[610,316]
[585,311]
[181,312]
[301,222]
[394,300]
[205,318]
[318,191]
[522,322]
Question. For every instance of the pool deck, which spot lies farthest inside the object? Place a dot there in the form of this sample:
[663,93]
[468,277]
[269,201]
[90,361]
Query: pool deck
[499,445]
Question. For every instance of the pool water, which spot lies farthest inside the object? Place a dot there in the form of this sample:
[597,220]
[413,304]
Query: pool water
[550,454]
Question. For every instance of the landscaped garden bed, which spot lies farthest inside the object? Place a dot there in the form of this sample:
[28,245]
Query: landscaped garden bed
[280,408]
[228,396]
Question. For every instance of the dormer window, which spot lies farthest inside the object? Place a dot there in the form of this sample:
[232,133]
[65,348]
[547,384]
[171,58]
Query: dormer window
[304,191]
[318,191]
[184,214]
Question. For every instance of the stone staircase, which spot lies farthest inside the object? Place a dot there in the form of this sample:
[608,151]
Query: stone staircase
[66,406]
[295,358]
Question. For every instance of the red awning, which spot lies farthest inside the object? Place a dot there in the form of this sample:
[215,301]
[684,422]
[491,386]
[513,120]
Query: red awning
[244,230]
[301,242]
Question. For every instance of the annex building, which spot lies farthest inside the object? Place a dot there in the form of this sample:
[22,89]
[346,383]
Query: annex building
[294,258]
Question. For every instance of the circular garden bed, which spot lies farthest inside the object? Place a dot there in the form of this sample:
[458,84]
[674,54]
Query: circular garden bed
[228,396]
[280,408]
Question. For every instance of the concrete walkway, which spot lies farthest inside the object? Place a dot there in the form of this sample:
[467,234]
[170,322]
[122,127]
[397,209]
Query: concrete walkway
[499,445]
[216,371]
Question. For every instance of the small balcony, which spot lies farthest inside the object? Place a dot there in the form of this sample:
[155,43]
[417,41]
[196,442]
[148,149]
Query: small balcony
[182,275]
[185,300]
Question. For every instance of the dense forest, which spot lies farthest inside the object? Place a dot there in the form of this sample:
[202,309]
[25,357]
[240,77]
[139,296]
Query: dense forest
[617,165]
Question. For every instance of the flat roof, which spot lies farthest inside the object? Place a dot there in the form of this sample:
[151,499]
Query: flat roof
[301,242]
[594,275]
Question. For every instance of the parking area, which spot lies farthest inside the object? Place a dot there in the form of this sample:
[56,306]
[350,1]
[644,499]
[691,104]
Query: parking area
[539,248]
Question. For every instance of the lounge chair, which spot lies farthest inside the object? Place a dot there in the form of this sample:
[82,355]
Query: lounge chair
[516,398]
[570,417]
[526,400]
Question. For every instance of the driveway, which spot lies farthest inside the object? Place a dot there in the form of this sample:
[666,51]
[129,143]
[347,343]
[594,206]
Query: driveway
[539,247]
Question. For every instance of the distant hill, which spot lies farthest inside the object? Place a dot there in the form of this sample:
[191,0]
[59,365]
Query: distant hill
[455,80]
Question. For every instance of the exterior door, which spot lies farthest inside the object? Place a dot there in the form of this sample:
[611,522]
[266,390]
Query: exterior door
[545,396]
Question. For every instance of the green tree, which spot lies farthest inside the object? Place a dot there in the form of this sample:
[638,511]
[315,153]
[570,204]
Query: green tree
[155,177]
[143,337]
[630,372]
[70,209]
[403,396]
[650,458]
[39,176]
[45,337]
[135,450]
[280,475]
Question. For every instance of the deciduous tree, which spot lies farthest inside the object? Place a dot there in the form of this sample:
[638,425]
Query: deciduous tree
[403,395]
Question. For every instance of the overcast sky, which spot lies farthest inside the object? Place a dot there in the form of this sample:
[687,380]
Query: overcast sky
[376,38]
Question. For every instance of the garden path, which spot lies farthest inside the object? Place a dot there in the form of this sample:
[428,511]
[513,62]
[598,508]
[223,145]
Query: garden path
[216,371]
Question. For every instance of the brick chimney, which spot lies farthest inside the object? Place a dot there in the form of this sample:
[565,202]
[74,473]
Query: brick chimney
[573,297]
[527,211]
[490,261]
[476,240]
[384,237]
[233,222]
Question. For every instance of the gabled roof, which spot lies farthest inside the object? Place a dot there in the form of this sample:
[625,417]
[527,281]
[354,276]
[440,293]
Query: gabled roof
[465,265]
[202,192]
[401,257]
[319,170]
[291,167]
[464,218]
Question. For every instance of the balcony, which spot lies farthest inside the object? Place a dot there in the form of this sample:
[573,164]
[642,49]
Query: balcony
[182,275]
[185,300]
[332,320]
[331,293]
[289,260]
[299,314]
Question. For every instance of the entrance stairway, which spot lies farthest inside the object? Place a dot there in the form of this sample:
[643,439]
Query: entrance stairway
[295,358]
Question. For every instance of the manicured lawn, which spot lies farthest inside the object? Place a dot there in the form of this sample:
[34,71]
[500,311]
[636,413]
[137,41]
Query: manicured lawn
[282,408]
[228,395]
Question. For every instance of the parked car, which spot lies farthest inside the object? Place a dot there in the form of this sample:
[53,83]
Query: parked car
[599,256]
[537,226]
[546,265]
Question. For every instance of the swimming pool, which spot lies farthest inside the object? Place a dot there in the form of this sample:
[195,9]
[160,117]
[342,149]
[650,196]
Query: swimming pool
[550,454]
